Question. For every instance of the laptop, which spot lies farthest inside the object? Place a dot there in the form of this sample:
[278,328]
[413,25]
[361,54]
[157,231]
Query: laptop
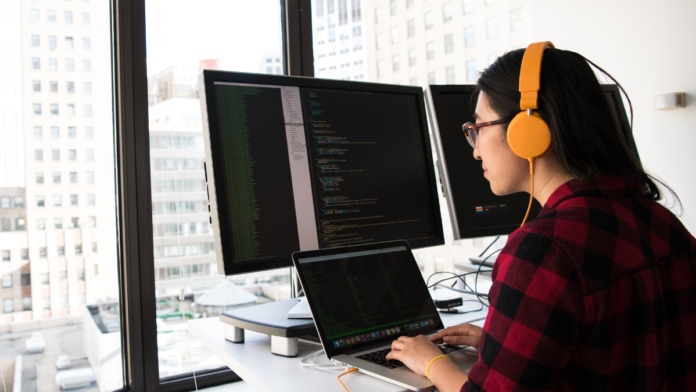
[366,296]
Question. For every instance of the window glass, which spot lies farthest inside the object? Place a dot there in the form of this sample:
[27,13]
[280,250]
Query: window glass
[184,255]
[469,37]
[38,83]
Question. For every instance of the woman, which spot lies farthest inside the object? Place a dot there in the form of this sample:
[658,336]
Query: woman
[599,291]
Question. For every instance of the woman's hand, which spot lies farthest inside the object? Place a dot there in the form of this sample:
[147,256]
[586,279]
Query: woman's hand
[416,353]
[460,335]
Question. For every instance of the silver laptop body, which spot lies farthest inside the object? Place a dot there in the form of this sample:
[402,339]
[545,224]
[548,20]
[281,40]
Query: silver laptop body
[322,277]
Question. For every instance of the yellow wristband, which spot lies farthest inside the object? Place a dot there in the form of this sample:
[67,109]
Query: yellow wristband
[427,370]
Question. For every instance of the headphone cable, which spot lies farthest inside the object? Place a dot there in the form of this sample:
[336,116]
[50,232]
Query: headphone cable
[531,193]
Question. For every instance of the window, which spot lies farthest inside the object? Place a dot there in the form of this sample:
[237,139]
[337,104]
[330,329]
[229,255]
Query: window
[356,11]
[449,43]
[69,43]
[378,15]
[468,6]
[381,68]
[91,199]
[89,133]
[34,14]
[55,132]
[39,201]
[471,70]
[52,42]
[413,81]
[70,87]
[69,64]
[94,246]
[394,35]
[72,155]
[56,177]
[429,20]
[6,224]
[43,254]
[447,12]
[54,109]
[35,40]
[26,303]
[409,4]
[45,277]
[55,155]
[5,255]
[380,41]
[430,50]
[357,31]
[89,154]
[80,272]
[36,85]
[60,252]
[330,9]
[320,7]
[24,255]
[87,87]
[411,57]
[7,304]
[88,110]
[71,109]
[74,223]
[86,43]
[516,20]
[469,37]
[52,64]
[411,28]
[392,8]
[39,178]
[37,108]
[87,65]
[41,224]
[53,86]
[342,12]
[5,202]
[92,222]
[73,177]
[78,251]
[6,283]
[26,277]
[492,28]
[19,202]
[63,301]
[90,177]
[431,78]
[68,16]
[57,200]
[38,132]
[73,200]
[38,155]
[395,63]
[20,224]
[85,18]
[46,303]
[58,223]
[72,132]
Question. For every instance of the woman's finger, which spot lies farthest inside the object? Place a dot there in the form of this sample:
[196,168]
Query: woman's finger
[397,345]
[462,340]
[398,355]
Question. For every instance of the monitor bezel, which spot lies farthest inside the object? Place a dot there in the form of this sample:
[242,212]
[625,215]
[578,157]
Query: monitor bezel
[207,80]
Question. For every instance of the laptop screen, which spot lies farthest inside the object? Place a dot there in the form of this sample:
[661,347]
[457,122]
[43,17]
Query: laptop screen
[365,295]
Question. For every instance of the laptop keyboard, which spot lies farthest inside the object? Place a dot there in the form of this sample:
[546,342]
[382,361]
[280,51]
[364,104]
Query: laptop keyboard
[379,357]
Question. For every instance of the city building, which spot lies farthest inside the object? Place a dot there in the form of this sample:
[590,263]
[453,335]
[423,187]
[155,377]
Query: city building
[441,41]
[339,39]
[270,64]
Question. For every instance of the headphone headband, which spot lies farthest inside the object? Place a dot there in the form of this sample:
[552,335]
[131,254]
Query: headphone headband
[530,74]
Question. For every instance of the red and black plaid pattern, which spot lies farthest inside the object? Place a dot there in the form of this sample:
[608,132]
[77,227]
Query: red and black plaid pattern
[598,293]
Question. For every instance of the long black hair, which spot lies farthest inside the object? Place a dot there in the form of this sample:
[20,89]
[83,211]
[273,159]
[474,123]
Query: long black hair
[586,140]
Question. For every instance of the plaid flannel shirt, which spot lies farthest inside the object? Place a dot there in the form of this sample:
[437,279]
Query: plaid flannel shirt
[598,293]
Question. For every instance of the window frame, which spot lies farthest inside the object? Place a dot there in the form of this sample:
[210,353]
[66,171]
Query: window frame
[133,187]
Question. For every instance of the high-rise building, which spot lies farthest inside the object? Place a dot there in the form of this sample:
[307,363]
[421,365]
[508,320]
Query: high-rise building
[339,39]
[441,41]
[57,171]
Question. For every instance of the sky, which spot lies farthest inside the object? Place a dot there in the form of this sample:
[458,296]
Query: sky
[183,32]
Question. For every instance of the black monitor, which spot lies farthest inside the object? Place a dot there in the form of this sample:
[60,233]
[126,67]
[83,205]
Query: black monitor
[298,163]
[474,210]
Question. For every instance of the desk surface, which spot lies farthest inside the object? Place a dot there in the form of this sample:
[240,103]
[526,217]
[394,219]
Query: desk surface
[263,371]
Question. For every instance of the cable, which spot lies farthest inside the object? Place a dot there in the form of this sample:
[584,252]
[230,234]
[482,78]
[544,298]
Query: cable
[489,246]
[349,371]
[324,367]
[531,193]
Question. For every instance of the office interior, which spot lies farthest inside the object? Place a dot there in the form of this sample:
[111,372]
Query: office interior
[108,254]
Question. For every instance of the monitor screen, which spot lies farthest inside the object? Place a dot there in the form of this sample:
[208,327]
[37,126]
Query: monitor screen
[474,210]
[301,164]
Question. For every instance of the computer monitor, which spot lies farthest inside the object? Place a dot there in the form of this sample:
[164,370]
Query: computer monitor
[474,210]
[298,163]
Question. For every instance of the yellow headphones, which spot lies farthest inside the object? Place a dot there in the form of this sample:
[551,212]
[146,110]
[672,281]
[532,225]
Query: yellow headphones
[528,135]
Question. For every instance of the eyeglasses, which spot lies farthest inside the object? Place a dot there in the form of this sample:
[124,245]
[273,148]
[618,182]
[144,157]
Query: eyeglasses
[471,130]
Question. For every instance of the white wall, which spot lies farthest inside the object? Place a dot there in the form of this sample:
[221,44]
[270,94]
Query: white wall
[648,47]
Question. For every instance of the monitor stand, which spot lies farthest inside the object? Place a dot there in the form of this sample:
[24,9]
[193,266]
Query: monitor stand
[271,319]
[486,261]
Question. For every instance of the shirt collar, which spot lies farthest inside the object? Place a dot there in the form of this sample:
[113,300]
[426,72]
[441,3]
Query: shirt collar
[610,187]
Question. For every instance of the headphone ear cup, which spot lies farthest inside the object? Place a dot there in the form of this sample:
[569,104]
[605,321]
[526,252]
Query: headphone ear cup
[528,136]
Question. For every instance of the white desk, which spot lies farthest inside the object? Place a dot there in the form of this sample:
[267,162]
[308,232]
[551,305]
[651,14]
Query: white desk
[263,371]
